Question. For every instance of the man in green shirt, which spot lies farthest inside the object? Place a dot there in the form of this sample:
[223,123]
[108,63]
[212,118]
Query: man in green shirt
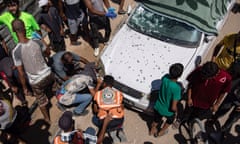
[13,13]
[166,104]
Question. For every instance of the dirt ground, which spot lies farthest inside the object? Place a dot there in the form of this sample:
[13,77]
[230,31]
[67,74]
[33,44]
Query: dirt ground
[136,124]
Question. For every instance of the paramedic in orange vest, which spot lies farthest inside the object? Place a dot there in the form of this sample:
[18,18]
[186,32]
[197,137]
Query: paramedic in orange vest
[108,101]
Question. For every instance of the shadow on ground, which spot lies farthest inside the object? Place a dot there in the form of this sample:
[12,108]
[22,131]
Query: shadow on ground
[37,133]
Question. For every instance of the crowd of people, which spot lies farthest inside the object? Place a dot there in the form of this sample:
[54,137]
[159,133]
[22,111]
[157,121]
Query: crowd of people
[29,69]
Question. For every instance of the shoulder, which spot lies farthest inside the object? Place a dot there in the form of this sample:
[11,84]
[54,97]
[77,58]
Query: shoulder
[6,14]
[17,49]
[26,14]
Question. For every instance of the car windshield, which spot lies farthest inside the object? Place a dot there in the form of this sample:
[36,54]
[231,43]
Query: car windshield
[164,28]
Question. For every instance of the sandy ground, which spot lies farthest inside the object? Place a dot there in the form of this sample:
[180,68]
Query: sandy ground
[136,124]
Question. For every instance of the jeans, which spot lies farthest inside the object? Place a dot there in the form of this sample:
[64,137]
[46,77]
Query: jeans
[82,100]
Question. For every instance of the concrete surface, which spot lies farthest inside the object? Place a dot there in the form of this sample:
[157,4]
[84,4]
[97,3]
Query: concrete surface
[135,125]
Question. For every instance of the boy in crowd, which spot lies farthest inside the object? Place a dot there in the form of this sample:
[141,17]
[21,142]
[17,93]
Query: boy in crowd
[166,104]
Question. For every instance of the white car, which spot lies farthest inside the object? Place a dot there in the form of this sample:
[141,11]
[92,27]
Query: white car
[157,34]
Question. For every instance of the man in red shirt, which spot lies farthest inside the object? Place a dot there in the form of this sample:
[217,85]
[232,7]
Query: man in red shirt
[207,87]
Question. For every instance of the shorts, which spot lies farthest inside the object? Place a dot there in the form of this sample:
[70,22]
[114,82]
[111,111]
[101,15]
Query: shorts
[40,89]
[158,118]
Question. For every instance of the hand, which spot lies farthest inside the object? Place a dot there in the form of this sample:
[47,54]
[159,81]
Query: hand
[47,52]
[111,13]
[190,102]
[215,107]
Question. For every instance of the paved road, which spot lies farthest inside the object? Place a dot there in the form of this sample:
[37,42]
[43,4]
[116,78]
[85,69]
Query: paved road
[136,124]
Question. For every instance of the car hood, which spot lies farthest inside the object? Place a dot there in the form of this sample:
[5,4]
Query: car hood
[136,60]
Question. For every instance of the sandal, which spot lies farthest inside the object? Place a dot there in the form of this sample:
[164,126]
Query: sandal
[121,12]
[152,131]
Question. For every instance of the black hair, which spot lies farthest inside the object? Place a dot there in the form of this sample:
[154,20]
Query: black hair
[209,69]
[234,70]
[10,2]
[63,58]
[108,80]
[18,25]
[175,70]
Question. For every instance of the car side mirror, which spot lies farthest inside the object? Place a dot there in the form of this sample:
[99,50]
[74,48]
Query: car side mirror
[198,61]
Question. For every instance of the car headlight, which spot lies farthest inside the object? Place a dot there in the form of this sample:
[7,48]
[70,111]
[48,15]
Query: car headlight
[101,68]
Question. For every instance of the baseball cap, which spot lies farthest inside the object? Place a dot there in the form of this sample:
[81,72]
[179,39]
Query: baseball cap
[65,122]
[42,3]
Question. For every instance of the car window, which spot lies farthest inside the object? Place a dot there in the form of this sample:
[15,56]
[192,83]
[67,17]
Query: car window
[164,28]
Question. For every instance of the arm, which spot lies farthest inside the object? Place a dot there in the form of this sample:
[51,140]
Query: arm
[83,60]
[61,12]
[92,10]
[4,45]
[22,77]
[93,91]
[218,102]
[103,129]
[95,107]
[106,3]
[174,106]
[189,100]
[216,50]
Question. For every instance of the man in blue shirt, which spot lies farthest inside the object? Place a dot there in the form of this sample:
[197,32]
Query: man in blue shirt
[65,64]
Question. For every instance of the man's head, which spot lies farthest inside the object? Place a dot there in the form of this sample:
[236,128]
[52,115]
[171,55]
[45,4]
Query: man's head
[66,123]
[18,26]
[175,70]
[67,58]
[108,81]
[44,4]
[13,7]
[209,70]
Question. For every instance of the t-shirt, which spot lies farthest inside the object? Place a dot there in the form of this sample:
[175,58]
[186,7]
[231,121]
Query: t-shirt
[75,84]
[205,92]
[225,58]
[98,5]
[31,57]
[29,21]
[9,115]
[58,66]
[169,91]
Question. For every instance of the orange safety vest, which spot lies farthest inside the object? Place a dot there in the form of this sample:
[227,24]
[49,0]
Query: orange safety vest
[77,139]
[109,101]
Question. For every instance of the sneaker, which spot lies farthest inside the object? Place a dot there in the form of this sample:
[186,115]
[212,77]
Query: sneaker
[96,52]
